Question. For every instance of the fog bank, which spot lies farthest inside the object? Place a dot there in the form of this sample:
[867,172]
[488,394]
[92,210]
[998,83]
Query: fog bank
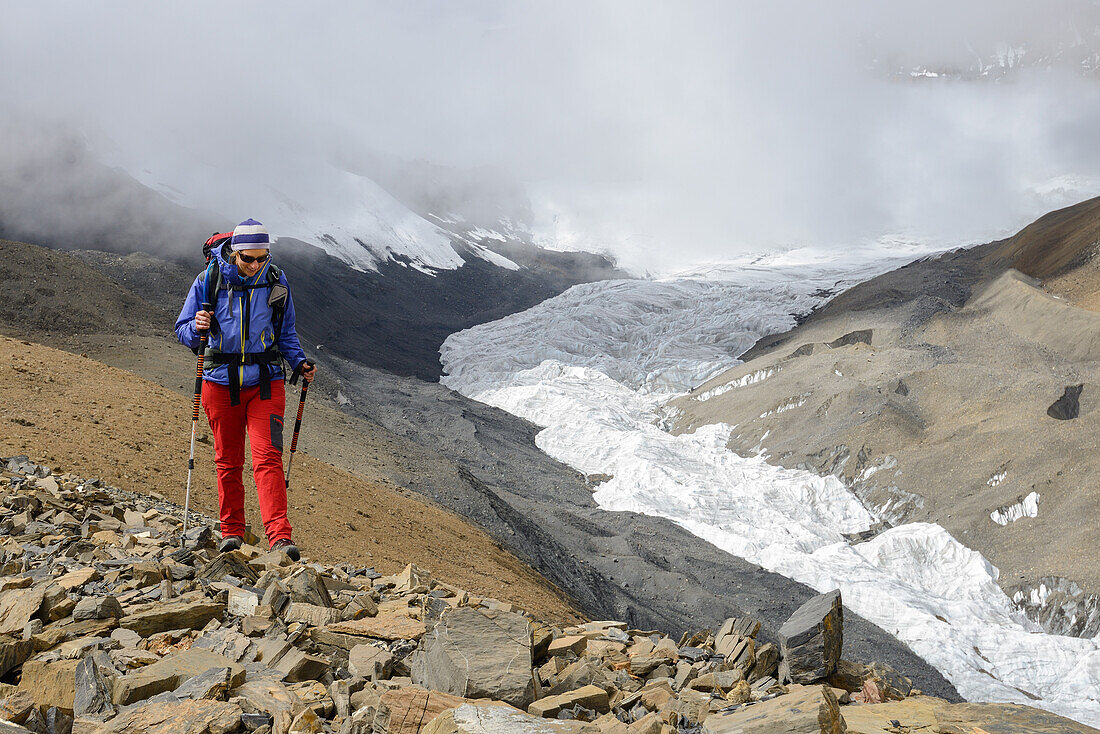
[667,134]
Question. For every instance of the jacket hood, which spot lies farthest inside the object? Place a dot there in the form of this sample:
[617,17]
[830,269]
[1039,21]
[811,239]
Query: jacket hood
[229,270]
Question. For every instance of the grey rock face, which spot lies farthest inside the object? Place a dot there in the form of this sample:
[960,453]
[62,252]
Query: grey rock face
[478,654]
[810,641]
[91,607]
[1068,406]
[93,695]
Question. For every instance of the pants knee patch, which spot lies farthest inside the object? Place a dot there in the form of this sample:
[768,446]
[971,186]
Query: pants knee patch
[277,432]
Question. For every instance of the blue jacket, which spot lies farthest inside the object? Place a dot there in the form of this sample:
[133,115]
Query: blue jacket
[226,333]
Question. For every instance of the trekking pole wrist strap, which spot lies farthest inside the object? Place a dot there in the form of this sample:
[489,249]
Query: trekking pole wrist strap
[305,363]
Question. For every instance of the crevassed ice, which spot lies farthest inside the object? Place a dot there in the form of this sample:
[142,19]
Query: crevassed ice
[595,374]
[753,378]
[790,404]
[1027,507]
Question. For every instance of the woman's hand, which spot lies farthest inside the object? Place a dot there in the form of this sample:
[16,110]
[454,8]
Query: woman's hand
[202,320]
[309,371]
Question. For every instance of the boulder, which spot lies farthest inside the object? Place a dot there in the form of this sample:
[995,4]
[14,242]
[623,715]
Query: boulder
[306,585]
[76,579]
[264,697]
[181,717]
[92,691]
[185,612]
[361,605]
[407,710]
[810,640]
[17,606]
[478,654]
[58,722]
[311,614]
[56,603]
[581,673]
[1068,406]
[590,697]
[811,710]
[242,603]
[370,661]
[51,683]
[383,627]
[766,663]
[233,564]
[17,706]
[412,580]
[569,644]
[214,685]
[13,652]
[97,607]
[297,666]
[169,673]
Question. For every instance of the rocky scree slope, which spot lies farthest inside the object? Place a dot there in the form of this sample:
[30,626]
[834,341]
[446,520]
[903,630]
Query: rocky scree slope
[954,390]
[112,621]
[73,410]
[482,464]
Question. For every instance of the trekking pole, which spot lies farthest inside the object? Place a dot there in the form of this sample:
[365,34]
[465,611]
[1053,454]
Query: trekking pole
[204,334]
[298,420]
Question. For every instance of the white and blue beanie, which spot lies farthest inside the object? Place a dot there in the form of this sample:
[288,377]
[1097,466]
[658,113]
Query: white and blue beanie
[250,235]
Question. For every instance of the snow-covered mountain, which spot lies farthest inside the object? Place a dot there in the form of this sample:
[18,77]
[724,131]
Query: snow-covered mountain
[1072,48]
[347,214]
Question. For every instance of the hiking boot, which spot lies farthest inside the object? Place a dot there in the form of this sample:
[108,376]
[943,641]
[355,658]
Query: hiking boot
[288,547]
[230,543]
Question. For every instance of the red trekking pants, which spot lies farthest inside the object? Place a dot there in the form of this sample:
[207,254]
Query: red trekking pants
[264,422]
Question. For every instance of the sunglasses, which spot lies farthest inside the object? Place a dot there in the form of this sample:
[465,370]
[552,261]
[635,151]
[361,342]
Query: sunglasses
[250,259]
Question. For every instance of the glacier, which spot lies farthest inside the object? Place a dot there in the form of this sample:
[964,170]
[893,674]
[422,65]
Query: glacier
[595,366]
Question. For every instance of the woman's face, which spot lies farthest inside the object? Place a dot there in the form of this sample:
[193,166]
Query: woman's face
[248,269]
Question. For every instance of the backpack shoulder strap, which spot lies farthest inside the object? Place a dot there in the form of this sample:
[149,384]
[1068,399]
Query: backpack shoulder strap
[214,282]
[277,297]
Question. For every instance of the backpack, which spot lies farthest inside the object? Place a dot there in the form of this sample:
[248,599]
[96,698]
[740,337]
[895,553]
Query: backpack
[216,240]
[277,299]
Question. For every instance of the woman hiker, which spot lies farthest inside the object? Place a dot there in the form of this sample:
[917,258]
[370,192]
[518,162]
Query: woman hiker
[251,332]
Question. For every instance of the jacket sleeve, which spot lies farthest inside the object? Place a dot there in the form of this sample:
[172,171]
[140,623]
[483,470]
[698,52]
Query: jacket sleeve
[289,345]
[185,324]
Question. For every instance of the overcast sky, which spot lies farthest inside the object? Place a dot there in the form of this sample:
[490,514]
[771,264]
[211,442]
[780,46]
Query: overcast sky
[666,132]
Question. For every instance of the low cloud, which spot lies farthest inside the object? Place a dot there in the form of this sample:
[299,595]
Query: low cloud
[665,133]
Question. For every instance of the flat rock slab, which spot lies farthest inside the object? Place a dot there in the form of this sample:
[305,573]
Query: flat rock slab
[925,713]
[181,613]
[590,697]
[184,717]
[478,654]
[495,718]
[169,673]
[813,710]
[93,607]
[382,627]
[17,606]
[13,652]
[51,684]
[369,661]
[264,697]
[407,710]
